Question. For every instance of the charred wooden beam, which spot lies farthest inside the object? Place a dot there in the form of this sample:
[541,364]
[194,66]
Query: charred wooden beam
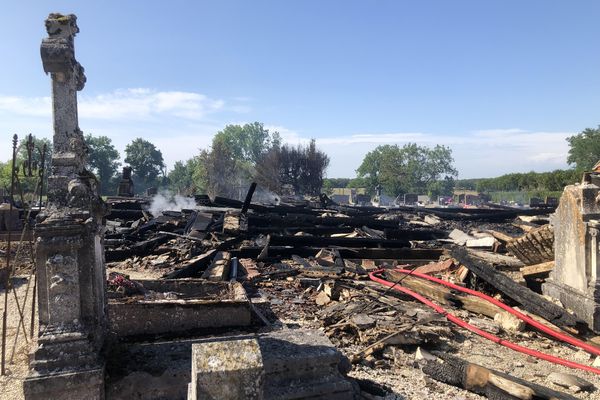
[528,299]
[492,384]
[193,266]
[138,249]
[445,295]
[402,255]
[248,198]
[299,241]
[313,230]
[125,214]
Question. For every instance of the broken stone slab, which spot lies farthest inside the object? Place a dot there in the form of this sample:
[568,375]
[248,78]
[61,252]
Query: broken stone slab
[322,299]
[362,321]
[484,242]
[282,365]
[432,220]
[459,237]
[570,381]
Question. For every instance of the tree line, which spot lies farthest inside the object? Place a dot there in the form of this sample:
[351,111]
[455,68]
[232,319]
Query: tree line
[103,160]
[240,154]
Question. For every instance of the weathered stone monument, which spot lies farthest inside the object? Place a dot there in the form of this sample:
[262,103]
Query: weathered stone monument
[283,365]
[575,280]
[69,254]
[126,184]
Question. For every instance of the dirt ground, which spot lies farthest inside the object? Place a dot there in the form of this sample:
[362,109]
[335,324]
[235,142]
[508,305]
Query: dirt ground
[17,347]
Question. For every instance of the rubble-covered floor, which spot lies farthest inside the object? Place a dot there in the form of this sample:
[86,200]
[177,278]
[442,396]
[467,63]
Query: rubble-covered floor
[307,267]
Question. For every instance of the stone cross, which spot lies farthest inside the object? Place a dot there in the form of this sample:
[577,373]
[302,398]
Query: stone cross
[58,58]
[70,268]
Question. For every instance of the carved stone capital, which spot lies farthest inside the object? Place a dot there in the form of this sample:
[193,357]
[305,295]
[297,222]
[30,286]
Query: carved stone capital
[57,55]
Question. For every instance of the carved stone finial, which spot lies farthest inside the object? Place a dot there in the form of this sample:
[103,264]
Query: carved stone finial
[59,25]
[58,50]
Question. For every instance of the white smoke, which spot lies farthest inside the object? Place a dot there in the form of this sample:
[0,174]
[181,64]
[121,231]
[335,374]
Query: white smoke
[167,201]
[265,196]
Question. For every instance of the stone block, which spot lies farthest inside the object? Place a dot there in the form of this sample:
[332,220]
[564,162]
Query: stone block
[227,370]
[77,385]
[294,364]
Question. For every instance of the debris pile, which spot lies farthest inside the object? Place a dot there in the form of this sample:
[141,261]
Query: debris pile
[316,265]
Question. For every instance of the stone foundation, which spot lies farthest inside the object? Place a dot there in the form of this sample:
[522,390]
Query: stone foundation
[81,384]
[204,305]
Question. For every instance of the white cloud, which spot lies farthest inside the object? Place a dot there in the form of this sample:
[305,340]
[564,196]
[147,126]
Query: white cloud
[30,106]
[142,103]
[179,123]
[136,103]
[477,154]
[287,135]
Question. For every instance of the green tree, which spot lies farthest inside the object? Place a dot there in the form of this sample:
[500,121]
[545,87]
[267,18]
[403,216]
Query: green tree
[188,178]
[410,168]
[222,173]
[33,147]
[103,160]
[584,149]
[5,169]
[146,162]
[330,183]
[248,142]
[442,187]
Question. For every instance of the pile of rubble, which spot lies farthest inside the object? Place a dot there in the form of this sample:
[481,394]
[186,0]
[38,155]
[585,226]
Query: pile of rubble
[311,265]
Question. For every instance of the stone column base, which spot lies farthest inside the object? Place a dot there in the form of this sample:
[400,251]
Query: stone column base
[585,306]
[77,385]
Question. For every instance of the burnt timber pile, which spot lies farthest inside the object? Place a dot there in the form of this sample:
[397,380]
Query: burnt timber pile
[311,265]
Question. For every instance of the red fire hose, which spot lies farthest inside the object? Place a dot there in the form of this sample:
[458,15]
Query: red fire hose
[375,276]
[530,321]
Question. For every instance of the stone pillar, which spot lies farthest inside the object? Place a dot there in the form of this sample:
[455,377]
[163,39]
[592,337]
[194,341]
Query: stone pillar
[69,254]
[126,184]
[575,278]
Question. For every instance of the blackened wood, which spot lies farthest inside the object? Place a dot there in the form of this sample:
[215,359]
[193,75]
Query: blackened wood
[125,214]
[297,241]
[138,249]
[400,255]
[527,298]
[192,267]
[248,197]
[493,384]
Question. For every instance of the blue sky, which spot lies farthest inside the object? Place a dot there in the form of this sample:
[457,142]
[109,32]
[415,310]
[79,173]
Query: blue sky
[503,83]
